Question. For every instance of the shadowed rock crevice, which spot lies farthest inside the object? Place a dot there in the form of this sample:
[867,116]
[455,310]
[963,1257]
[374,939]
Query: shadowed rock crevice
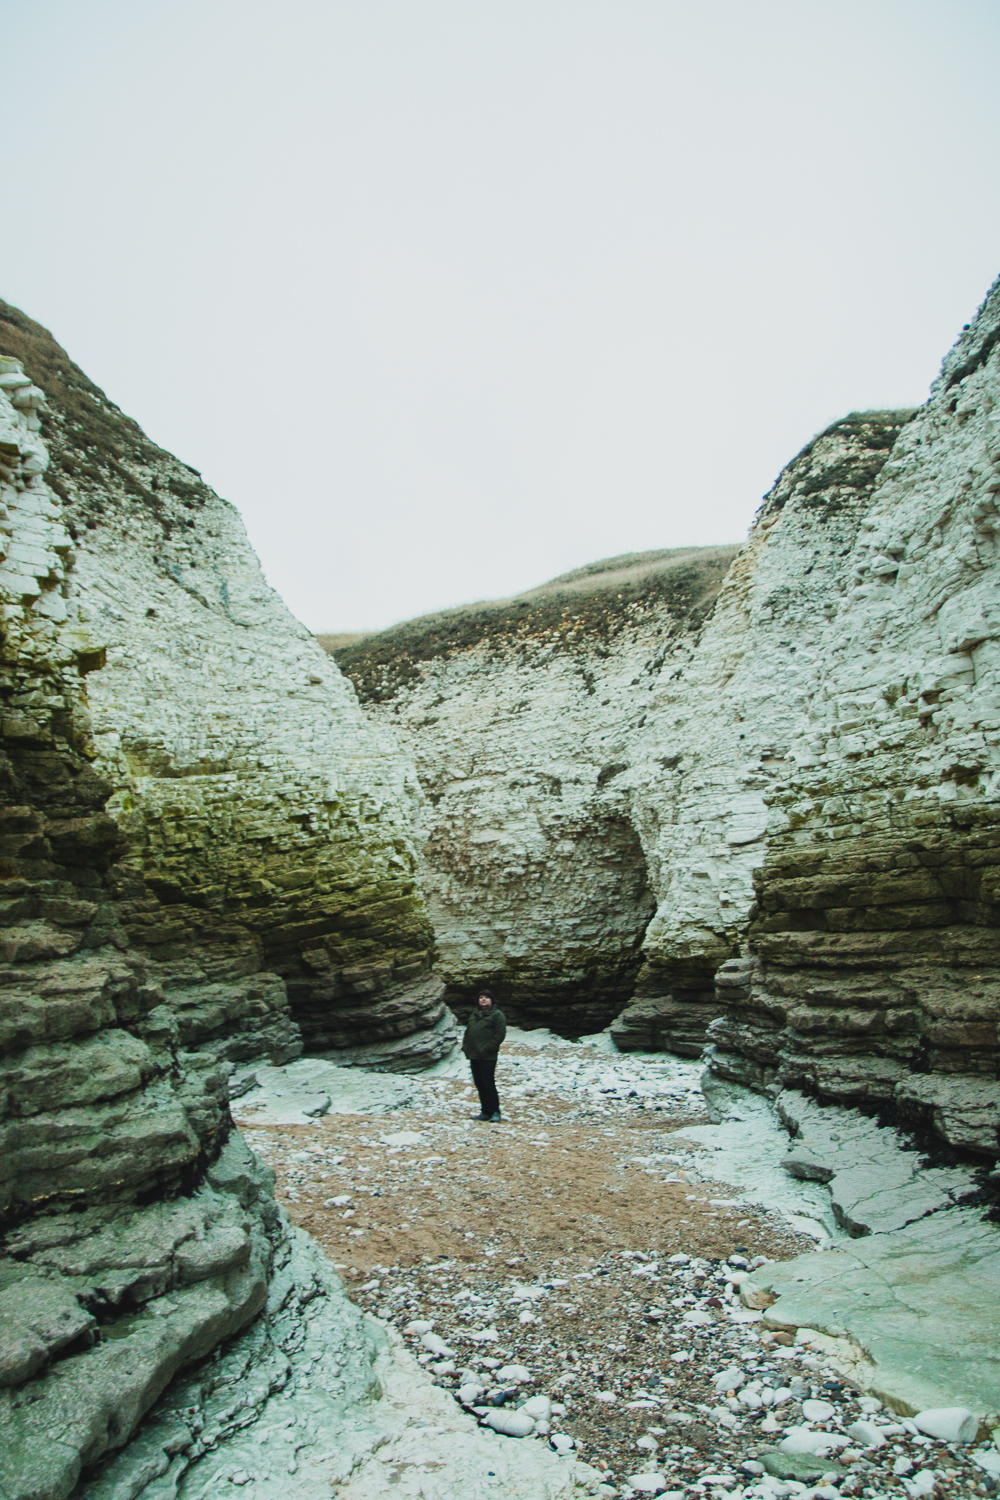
[672,1006]
[524,717]
[571,965]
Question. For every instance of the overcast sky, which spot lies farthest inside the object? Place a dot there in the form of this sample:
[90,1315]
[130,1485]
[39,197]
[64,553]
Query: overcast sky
[450,296]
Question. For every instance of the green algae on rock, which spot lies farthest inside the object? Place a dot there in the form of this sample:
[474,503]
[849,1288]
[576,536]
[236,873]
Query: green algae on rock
[269,827]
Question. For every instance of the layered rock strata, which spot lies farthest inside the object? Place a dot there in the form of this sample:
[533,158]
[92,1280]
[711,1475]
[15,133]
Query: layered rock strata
[523,718]
[269,873]
[127,1251]
[826,718]
[598,757]
[139,1234]
[874,968]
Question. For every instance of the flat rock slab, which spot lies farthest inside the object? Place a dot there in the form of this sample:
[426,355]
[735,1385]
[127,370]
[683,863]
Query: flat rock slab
[799,1466]
[312,1087]
[916,1311]
[877,1183]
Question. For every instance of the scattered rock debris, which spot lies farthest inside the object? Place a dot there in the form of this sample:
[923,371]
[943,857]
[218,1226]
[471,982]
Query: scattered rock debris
[570,1278]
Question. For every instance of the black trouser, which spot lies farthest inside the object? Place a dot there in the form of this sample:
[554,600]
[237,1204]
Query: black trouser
[483,1073]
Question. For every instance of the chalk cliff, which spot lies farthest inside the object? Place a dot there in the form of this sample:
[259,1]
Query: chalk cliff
[117,1185]
[216,817]
[791,789]
[873,972]
[268,824]
[523,717]
[749,795]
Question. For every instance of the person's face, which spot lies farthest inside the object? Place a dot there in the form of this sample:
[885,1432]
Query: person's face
[485,1002]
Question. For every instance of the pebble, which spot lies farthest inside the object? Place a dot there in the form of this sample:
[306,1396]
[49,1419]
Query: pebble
[647,1484]
[951,1424]
[921,1484]
[818,1411]
[867,1433]
[435,1344]
[514,1424]
[805,1440]
[682,1351]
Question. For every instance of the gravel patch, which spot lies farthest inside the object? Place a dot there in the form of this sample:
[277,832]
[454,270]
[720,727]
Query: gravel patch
[572,1277]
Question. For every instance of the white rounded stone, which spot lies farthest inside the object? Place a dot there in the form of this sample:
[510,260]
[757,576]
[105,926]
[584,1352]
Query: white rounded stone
[867,1433]
[647,1484]
[804,1440]
[950,1424]
[512,1424]
[818,1411]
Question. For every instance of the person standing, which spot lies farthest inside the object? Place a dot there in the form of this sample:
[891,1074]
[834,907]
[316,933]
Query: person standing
[484,1032]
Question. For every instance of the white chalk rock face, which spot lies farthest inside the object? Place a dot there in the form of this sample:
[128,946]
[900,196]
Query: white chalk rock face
[873,974]
[118,1153]
[270,818]
[767,801]
[525,719]
[600,756]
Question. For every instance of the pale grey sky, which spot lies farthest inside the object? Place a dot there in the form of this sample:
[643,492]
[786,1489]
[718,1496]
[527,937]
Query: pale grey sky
[451,296]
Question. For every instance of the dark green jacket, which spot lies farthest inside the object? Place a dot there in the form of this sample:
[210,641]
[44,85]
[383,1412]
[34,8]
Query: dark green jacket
[483,1034]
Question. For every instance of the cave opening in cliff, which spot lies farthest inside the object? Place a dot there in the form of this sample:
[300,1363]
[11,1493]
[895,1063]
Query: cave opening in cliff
[572,951]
